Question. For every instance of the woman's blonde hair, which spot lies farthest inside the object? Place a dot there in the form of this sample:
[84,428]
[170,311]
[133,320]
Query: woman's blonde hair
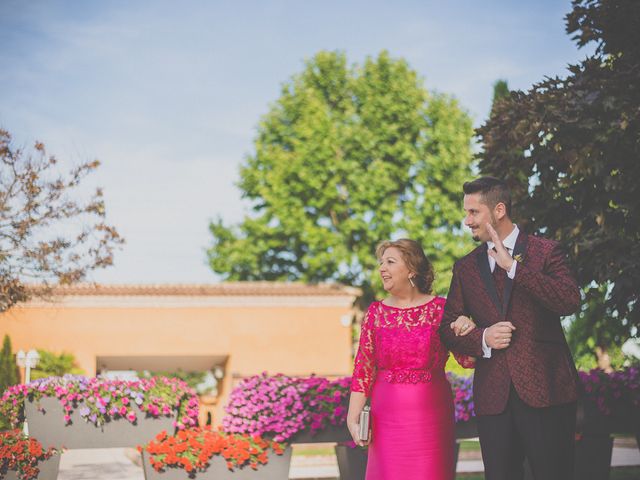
[415,259]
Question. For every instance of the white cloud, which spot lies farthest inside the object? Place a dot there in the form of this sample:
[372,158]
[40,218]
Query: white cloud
[168,95]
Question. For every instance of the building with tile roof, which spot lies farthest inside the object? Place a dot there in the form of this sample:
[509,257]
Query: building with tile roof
[242,328]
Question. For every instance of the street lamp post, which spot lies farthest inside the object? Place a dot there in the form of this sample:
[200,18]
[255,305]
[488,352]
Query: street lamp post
[27,361]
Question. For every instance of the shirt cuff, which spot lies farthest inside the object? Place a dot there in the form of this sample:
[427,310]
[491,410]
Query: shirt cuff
[486,350]
[512,271]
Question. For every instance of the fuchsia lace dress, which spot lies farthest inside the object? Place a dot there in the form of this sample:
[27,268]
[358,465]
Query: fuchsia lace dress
[400,365]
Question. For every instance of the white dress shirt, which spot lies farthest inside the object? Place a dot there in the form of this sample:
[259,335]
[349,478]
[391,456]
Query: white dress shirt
[509,243]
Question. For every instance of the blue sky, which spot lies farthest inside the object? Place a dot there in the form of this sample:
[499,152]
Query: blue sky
[168,94]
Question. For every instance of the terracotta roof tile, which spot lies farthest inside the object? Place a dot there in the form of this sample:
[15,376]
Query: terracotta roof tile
[215,289]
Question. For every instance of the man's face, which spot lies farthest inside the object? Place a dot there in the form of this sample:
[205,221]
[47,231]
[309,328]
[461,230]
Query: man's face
[477,216]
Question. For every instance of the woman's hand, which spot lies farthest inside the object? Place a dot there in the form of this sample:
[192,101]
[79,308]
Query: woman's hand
[462,326]
[357,401]
[354,430]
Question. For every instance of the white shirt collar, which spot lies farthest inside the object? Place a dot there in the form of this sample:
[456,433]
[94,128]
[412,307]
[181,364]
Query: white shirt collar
[510,241]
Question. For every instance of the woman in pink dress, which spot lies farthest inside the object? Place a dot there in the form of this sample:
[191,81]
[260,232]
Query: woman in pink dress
[400,367]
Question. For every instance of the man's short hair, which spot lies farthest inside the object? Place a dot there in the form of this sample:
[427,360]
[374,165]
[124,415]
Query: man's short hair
[492,191]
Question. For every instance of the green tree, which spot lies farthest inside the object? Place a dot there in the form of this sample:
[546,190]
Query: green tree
[8,366]
[345,158]
[569,147]
[595,335]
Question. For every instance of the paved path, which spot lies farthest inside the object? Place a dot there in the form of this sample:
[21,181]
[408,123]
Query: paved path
[98,464]
[123,464]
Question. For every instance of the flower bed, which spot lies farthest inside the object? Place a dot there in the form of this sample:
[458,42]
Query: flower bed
[100,400]
[611,402]
[196,451]
[25,458]
[462,397]
[285,408]
[612,391]
[79,412]
[281,407]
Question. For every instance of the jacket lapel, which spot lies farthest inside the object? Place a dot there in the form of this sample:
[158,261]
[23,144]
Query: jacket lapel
[519,249]
[487,278]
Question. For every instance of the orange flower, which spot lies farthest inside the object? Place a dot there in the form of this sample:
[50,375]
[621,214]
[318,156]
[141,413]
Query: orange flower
[192,449]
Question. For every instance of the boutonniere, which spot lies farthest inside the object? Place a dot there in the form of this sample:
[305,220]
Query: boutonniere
[518,257]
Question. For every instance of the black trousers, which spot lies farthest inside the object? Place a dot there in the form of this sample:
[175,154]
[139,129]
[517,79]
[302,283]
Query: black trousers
[545,436]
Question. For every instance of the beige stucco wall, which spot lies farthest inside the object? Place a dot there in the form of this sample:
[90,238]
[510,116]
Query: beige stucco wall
[277,336]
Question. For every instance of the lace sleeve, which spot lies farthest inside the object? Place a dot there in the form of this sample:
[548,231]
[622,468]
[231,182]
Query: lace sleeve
[364,370]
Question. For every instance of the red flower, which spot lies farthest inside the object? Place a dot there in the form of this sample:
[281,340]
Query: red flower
[21,454]
[192,449]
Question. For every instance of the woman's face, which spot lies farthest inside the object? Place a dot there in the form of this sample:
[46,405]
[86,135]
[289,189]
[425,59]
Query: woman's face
[393,271]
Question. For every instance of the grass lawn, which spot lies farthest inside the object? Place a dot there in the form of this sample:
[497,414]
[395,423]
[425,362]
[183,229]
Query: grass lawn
[625,473]
[313,450]
[469,446]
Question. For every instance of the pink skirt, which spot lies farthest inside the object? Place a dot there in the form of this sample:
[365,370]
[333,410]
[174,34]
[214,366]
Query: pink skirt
[412,431]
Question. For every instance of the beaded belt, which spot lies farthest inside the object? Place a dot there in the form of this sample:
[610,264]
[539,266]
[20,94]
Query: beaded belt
[406,375]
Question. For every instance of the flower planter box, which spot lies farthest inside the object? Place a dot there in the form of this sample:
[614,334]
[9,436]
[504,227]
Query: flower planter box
[593,457]
[333,434]
[352,462]
[277,468]
[467,429]
[289,414]
[48,469]
[622,419]
[49,428]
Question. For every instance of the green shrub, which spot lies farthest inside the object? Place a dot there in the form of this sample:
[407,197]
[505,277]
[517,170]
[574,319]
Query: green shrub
[8,373]
[454,367]
[8,368]
[55,365]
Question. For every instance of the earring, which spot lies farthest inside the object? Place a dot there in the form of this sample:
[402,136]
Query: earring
[411,282]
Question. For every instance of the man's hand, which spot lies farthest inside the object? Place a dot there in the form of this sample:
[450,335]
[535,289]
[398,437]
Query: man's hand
[498,335]
[501,255]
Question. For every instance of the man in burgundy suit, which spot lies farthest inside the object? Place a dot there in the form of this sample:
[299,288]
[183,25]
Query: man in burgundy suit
[515,287]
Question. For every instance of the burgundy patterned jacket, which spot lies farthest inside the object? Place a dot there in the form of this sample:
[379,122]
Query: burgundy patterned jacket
[538,360]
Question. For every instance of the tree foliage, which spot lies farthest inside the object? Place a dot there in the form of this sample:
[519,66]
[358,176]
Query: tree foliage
[500,91]
[8,374]
[570,149]
[345,158]
[8,366]
[45,234]
[55,365]
[596,335]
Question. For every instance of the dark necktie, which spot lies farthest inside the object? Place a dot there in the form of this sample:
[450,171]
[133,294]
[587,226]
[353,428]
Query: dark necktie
[499,278]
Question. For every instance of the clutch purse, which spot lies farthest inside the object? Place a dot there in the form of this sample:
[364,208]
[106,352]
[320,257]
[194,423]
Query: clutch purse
[365,424]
